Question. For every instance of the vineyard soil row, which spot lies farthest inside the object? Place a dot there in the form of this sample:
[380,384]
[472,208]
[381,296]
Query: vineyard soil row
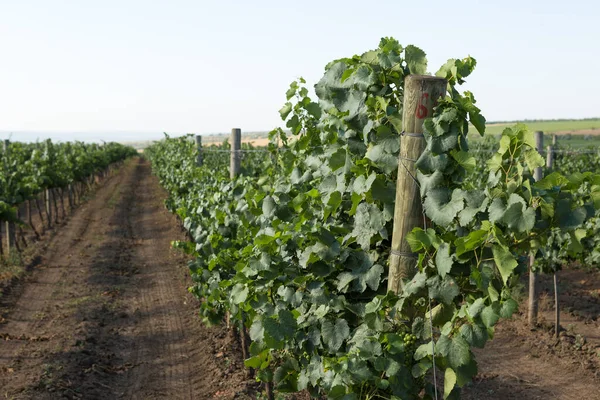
[104,312]
[521,363]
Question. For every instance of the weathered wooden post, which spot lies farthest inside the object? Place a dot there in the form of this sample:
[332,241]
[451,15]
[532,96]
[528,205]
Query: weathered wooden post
[549,157]
[70,197]
[554,139]
[420,96]
[9,226]
[48,203]
[549,166]
[236,154]
[199,149]
[533,300]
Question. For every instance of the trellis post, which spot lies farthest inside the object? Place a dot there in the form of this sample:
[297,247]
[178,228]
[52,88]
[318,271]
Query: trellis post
[533,298]
[9,226]
[421,94]
[199,149]
[236,156]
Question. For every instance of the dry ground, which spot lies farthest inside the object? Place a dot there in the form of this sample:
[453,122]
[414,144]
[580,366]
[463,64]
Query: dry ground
[525,364]
[104,312]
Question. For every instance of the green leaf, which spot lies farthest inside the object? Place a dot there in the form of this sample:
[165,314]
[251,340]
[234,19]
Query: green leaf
[268,207]
[334,334]
[476,307]
[548,182]
[381,157]
[279,330]
[456,350]
[474,334]
[368,222]
[478,122]
[508,308]
[533,159]
[419,239]
[338,159]
[505,261]
[464,159]
[444,290]
[567,218]
[442,208]
[470,242]
[489,317]
[415,60]
[443,259]
[239,294]
[423,351]
[449,381]
[314,109]
[515,215]
[285,110]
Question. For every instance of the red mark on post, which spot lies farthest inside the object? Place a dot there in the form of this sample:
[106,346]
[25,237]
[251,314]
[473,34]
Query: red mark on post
[422,109]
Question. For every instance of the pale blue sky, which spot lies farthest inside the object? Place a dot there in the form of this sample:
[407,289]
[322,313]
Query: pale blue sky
[144,67]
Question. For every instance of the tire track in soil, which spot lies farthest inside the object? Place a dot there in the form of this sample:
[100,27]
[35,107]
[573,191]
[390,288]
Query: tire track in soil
[107,315]
[157,302]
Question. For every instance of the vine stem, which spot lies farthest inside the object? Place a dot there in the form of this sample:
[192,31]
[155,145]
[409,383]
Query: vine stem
[433,351]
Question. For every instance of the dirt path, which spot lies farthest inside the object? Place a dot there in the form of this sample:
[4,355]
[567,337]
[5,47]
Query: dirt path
[105,314]
[524,364]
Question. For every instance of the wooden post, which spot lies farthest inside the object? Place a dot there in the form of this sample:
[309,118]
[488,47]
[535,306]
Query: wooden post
[556,307]
[9,226]
[53,192]
[70,197]
[236,156]
[549,157]
[48,203]
[533,300]
[39,210]
[199,149]
[554,138]
[549,165]
[420,96]
[30,220]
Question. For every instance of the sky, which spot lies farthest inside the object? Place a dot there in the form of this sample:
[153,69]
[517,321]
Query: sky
[130,70]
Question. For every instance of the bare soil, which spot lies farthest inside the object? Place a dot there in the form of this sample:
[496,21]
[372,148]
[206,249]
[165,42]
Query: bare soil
[104,311]
[525,363]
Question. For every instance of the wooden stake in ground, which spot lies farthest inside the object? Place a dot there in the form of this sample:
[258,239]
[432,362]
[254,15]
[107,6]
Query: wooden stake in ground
[39,210]
[70,197]
[549,166]
[48,203]
[556,307]
[236,155]
[420,96]
[199,148]
[30,220]
[9,226]
[53,192]
[549,157]
[533,297]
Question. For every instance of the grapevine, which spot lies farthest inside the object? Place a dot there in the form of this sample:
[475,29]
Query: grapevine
[295,249]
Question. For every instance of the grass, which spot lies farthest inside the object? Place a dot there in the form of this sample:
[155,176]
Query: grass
[572,133]
[549,126]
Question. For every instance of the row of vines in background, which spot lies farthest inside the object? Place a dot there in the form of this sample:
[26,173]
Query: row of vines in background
[295,249]
[54,170]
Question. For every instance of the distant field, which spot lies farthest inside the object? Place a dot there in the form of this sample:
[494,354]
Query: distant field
[574,133]
[587,126]
[579,133]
